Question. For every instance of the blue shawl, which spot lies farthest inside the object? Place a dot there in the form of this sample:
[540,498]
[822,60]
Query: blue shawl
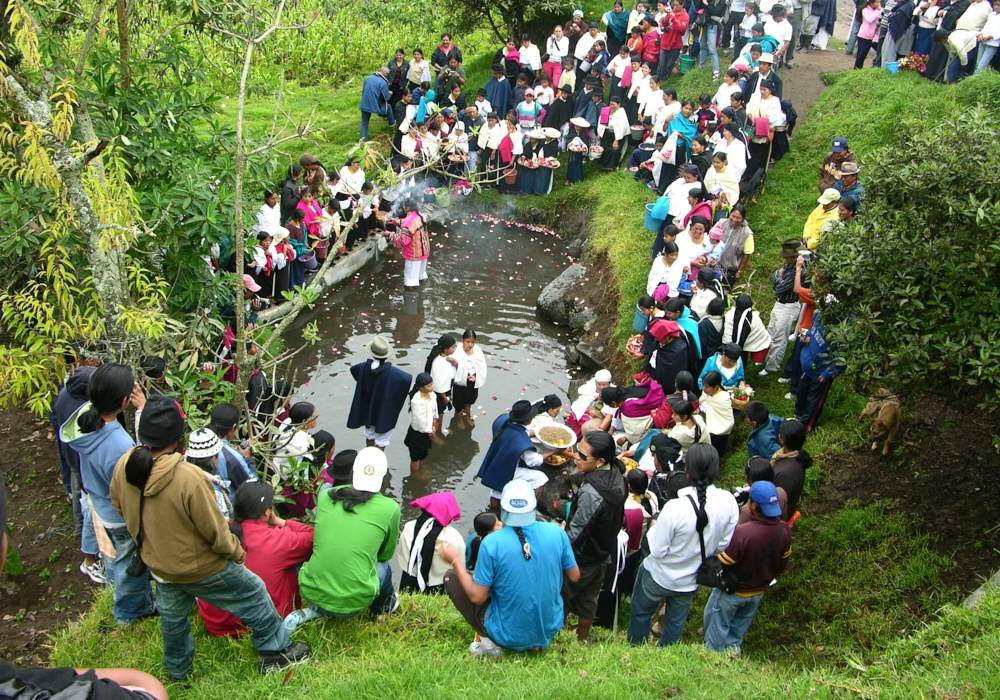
[509,441]
[617,22]
[684,128]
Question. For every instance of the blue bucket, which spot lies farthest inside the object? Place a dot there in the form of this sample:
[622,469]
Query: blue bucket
[652,224]
[892,67]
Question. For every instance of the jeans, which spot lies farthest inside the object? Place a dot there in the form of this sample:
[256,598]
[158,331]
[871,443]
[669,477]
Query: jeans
[133,599]
[809,400]
[986,54]
[646,598]
[709,35]
[365,118]
[864,45]
[782,324]
[384,602]
[727,618]
[852,38]
[235,589]
[667,60]
[88,538]
[793,367]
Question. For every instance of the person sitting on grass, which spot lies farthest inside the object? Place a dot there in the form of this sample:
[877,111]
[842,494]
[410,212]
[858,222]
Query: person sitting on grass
[763,438]
[482,525]
[504,612]
[728,363]
[423,568]
[275,549]
[355,537]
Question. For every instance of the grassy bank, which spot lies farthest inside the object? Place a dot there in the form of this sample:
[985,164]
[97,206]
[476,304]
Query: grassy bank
[421,652]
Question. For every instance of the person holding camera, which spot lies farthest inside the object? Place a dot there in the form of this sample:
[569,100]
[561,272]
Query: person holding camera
[756,555]
[700,513]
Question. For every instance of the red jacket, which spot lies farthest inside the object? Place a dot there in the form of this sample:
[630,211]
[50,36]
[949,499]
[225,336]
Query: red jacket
[673,27]
[272,553]
[651,47]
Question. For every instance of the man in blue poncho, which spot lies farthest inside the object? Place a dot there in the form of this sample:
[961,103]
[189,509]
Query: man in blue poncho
[499,93]
[379,395]
[512,455]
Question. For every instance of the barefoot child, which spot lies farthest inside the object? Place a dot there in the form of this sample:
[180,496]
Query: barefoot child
[423,422]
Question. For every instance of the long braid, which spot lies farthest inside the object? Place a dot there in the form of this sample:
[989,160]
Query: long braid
[702,466]
[525,547]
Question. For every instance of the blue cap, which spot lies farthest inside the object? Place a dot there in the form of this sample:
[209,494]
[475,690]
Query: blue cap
[839,145]
[765,495]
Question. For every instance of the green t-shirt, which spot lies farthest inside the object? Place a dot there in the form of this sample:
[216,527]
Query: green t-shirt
[341,576]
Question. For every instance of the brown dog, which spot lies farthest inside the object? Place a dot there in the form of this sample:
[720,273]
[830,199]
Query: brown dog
[884,413]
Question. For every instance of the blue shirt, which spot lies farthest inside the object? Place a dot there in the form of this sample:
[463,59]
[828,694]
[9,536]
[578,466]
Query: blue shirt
[526,607]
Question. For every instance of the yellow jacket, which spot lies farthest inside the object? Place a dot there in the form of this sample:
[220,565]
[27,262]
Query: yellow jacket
[814,225]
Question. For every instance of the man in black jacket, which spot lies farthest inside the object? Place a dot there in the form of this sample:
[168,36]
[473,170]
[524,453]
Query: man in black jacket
[595,519]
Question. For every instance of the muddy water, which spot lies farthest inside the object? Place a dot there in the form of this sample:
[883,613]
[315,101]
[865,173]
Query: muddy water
[482,275]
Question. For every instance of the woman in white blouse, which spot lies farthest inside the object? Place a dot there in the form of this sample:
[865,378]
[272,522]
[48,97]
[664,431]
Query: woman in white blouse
[443,367]
[557,47]
[470,376]
[352,177]
[269,214]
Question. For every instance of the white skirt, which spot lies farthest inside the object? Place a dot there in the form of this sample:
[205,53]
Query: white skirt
[414,271]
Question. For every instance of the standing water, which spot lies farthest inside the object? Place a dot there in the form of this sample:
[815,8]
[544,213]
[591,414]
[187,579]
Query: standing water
[483,274]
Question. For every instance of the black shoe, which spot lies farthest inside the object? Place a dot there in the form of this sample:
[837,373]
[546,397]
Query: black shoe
[295,654]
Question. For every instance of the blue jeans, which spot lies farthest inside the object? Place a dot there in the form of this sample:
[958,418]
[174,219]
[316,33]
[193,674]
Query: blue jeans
[727,618]
[133,599]
[88,538]
[384,602]
[235,589]
[709,35]
[852,38]
[365,118]
[986,54]
[646,597]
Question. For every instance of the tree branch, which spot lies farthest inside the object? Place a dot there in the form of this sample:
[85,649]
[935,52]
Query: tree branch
[95,21]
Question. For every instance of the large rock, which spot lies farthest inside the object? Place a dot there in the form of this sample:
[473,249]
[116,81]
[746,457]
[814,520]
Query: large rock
[556,302]
[591,354]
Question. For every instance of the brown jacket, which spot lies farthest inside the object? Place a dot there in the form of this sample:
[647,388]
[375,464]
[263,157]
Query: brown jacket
[829,172]
[185,537]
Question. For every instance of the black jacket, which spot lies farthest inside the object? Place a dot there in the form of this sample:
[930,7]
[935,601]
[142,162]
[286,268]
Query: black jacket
[289,198]
[755,78]
[391,65]
[596,516]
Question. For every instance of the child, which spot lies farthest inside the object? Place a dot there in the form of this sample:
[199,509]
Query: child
[568,77]
[763,438]
[717,405]
[423,423]
[707,114]
[482,525]
[577,138]
[727,363]
[544,94]
[689,428]
[746,25]
[548,409]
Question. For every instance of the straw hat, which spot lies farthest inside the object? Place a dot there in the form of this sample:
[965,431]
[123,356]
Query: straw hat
[551,132]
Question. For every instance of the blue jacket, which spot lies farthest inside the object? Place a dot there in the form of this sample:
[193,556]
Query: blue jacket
[378,397]
[72,395]
[691,326]
[499,95]
[99,452]
[763,440]
[712,365]
[817,357]
[510,440]
[234,468]
[375,95]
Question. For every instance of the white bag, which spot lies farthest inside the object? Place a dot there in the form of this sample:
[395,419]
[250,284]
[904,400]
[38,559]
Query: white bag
[669,152]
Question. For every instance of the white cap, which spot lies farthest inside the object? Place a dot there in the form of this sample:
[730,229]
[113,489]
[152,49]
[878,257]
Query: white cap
[203,443]
[602,375]
[517,503]
[370,468]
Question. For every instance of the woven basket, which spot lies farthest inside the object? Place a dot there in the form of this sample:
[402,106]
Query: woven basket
[740,404]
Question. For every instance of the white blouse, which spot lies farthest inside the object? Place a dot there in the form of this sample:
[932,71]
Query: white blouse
[268,218]
[557,49]
[443,374]
[423,412]
[470,365]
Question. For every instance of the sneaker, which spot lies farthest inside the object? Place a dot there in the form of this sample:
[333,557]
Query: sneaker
[788,396]
[762,373]
[789,65]
[295,654]
[784,380]
[95,571]
[381,616]
[300,617]
[480,651]
[715,75]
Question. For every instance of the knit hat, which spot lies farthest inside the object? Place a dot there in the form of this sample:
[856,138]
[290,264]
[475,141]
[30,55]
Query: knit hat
[203,443]
[161,423]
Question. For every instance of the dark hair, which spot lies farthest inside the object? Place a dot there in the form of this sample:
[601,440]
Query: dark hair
[368,186]
[733,73]
[702,465]
[223,419]
[483,525]
[738,96]
[701,140]
[138,466]
[268,194]
[250,502]
[758,469]
[296,215]
[110,385]
[740,208]
[153,367]
[282,390]
[712,379]
[602,446]
[203,463]
[849,204]
[716,307]
[671,92]
[675,305]
[704,99]
[940,36]
[422,380]
[757,412]
[683,409]
[301,412]
[469,333]
[670,230]
[443,343]
[720,155]
[646,302]
[684,381]
[638,482]
[793,435]
[708,280]
[670,247]
[350,497]
[323,442]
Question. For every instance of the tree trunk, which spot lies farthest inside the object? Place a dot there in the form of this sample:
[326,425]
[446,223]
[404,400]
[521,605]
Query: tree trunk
[123,42]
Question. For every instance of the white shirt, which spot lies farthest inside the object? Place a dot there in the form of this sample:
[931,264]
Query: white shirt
[443,374]
[423,412]
[688,249]
[975,18]
[992,30]
[469,365]
[530,57]
[782,31]
[671,275]
[351,183]
[484,106]
[678,193]
[686,436]
[268,218]
[736,157]
[557,49]
[718,411]
[585,44]
[664,115]
[722,95]
[618,64]
[675,552]
[544,96]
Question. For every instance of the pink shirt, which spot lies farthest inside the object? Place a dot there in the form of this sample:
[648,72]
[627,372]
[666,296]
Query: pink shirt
[869,23]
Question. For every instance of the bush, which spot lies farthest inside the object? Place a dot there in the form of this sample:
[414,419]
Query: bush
[916,276]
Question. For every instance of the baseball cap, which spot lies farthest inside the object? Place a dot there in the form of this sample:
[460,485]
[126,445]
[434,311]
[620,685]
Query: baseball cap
[839,145]
[518,504]
[370,468]
[829,196]
[765,495]
[250,284]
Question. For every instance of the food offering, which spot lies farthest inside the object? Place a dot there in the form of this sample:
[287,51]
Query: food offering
[556,460]
[527,163]
[556,437]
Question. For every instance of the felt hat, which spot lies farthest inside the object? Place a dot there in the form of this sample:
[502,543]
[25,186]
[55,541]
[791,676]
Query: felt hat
[849,168]
[342,468]
[307,159]
[379,348]
[790,248]
[591,80]
[522,411]
[566,88]
[481,91]
[766,58]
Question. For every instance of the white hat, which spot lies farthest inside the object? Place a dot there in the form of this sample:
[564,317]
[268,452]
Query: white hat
[536,134]
[517,503]
[551,132]
[829,196]
[766,58]
[280,234]
[602,375]
[580,122]
[370,468]
[203,443]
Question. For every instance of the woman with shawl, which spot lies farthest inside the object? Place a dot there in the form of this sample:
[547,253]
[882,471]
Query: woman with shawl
[426,108]
[411,238]
[744,327]
[510,147]
[617,22]
[738,242]
[635,406]
[686,131]
[614,136]
[422,567]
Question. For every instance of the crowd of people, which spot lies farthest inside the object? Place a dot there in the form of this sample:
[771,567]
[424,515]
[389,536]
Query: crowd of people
[643,517]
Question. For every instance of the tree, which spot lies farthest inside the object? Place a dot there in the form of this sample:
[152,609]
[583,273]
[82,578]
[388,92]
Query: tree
[915,280]
[505,18]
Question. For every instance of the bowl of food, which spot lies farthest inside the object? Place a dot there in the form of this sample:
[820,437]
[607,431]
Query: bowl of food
[556,460]
[629,463]
[596,149]
[456,158]
[556,437]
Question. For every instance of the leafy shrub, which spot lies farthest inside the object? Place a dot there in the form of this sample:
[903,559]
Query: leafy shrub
[916,277]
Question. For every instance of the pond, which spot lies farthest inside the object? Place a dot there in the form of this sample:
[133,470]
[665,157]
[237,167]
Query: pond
[483,274]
